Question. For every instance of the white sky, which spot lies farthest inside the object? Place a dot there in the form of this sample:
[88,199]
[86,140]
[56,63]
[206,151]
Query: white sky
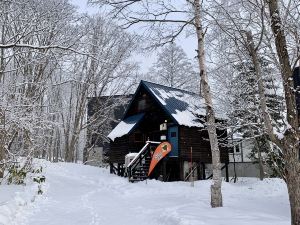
[188,44]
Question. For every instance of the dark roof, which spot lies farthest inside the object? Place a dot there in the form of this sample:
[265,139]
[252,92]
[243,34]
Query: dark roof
[184,106]
[126,126]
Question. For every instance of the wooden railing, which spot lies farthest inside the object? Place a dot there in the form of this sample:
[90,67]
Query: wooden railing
[138,159]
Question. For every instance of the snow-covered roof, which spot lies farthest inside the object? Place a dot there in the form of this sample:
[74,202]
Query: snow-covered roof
[185,107]
[237,136]
[125,126]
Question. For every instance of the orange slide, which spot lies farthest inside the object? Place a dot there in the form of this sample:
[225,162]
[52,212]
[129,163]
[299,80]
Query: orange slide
[160,152]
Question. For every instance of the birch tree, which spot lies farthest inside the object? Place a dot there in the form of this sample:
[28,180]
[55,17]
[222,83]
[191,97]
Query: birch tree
[271,32]
[289,143]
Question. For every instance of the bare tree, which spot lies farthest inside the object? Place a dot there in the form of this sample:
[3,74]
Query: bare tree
[255,29]
[51,60]
[174,69]
[30,33]
[103,74]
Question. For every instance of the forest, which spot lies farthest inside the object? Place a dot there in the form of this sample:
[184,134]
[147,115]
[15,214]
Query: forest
[54,58]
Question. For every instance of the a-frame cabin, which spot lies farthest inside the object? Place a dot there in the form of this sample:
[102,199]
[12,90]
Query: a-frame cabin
[158,113]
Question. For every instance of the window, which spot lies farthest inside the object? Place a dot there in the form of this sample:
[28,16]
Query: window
[237,148]
[173,134]
[142,104]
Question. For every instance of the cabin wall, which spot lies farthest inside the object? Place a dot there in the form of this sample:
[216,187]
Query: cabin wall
[199,141]
[121,147]
[118,149]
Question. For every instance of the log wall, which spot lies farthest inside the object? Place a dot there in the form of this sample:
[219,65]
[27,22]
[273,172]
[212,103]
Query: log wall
[198,140]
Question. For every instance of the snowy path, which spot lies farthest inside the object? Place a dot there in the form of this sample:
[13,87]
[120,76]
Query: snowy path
[84,195]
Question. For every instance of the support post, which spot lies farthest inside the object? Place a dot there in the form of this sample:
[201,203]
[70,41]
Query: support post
[164,170]
[192,168]
[111,168]
[122,171]
[226,171]
[119,169]
[198,171]
[203,171]
[181,170]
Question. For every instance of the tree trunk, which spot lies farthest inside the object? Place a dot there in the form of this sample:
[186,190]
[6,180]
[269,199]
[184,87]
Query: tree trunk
[2,143]
[290,142]
[293,178]
[70,157]
[260,161]
[261,166]
[85,155]
[1,157]
[57,145]
[216,193]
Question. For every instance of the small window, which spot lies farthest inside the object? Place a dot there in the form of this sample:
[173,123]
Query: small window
[173,134]
[237,148]
[142,104]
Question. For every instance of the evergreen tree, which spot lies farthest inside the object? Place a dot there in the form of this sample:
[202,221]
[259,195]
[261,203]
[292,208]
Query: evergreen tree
[247,116]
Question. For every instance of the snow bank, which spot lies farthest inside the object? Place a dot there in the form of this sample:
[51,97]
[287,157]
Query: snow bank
[81,195]
[18,202]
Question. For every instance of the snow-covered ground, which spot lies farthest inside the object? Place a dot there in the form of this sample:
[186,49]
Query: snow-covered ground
[83,195]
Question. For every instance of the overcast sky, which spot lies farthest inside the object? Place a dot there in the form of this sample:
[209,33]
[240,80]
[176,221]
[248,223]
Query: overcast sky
[188,44]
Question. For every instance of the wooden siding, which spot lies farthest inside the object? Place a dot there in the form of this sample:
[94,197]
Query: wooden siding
[198,140]
[148,128]
[121,147]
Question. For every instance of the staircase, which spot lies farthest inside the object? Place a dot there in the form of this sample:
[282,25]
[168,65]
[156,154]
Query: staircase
[138,168]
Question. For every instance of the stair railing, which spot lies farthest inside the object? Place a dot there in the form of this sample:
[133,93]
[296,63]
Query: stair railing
[139,157]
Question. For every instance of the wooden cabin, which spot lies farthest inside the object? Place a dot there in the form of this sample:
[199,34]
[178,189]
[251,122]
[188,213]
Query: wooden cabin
[158,113]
